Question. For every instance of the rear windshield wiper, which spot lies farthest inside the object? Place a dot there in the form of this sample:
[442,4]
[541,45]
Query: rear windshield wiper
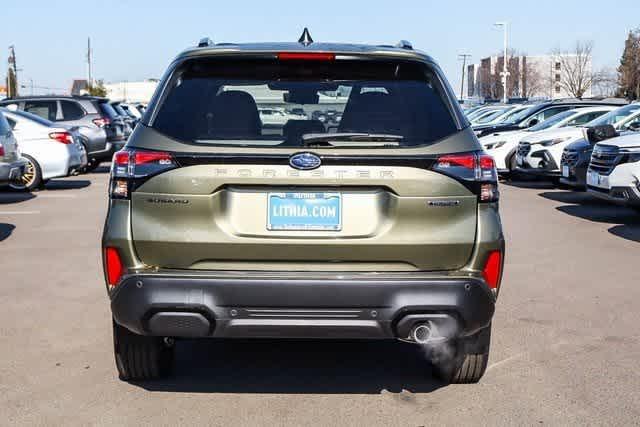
[350,139]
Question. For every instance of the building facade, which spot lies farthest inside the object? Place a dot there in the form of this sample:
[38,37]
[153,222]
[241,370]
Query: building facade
[533,77]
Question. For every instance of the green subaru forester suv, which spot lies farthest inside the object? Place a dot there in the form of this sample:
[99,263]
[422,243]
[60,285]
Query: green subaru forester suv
[303,190]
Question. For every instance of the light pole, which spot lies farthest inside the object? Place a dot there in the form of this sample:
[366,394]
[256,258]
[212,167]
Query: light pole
[505,72]
[463,57]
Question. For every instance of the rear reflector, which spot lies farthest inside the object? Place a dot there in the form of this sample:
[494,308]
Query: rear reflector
[493,269]
[114,266]
[306,56]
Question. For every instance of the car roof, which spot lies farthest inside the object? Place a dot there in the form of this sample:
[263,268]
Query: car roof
[592,109]
[45,97]
[400,51]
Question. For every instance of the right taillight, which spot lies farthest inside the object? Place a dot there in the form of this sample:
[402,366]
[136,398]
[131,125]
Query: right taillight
[132,167]
[476,169]
[101,122]
[492,271]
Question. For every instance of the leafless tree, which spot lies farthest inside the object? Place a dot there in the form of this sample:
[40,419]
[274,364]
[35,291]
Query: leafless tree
[605,83]
[533,83]
[577,76]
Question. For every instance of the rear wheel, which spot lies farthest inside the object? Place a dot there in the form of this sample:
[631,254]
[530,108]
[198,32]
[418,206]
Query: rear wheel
[466,361]
[31,178]
[92,165]
[140,357]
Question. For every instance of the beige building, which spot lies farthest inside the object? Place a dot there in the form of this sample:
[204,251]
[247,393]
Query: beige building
[530,77]
[134,92]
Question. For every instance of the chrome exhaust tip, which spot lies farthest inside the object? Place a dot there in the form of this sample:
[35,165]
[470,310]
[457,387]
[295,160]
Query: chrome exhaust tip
[421,333]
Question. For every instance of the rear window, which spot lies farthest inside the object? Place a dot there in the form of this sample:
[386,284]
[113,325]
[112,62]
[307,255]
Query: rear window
[107,110]
[298,103]
[4,125]
[33,118]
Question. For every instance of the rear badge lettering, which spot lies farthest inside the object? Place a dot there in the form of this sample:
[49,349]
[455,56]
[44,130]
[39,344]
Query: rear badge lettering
[168,201]
[443,203]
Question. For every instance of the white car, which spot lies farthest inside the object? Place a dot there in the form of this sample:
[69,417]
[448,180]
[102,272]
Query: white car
[614,171]
[501,116]
[277,117]
[503,146]
[51,151]
[540,152]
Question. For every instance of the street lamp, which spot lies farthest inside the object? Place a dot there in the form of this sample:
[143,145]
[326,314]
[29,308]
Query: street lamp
[505,72]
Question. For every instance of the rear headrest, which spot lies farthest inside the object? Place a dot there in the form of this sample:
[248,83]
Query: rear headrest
[371,112]
[294,129]
[234,114]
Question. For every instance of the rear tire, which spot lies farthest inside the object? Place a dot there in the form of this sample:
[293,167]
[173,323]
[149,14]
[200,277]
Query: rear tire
[91,166]
[31,180]
[140,357]
[469,363]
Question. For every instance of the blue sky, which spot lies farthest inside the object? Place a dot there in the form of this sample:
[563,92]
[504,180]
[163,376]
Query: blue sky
[137,39]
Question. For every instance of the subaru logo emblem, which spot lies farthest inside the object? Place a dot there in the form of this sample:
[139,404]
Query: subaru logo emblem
[305,161]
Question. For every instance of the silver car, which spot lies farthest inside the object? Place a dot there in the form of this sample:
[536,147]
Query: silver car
[12,166]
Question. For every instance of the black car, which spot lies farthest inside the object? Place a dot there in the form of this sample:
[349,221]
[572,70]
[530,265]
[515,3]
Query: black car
[539,113]
[129,122]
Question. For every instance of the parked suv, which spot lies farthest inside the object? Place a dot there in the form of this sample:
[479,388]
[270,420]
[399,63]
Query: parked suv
[539,153]
[577,155]
[98,125]
[614,171]
[387,228]
[12,165]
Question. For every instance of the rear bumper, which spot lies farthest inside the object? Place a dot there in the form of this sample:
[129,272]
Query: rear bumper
[253,306]
[11,171]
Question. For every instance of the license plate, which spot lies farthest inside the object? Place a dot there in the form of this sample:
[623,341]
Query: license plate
[597,180]
[565,171]
[305,211]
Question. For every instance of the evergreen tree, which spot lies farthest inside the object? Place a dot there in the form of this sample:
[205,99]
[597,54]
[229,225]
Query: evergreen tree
[629,69]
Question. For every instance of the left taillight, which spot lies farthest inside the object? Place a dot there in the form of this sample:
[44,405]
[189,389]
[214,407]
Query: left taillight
[476,169]
[62,137]
[132,167]
[113,266]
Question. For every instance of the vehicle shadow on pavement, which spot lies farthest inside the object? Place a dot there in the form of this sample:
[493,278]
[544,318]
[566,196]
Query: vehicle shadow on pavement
[9,198]
[102,169]
[302,367]
[540,185]
[585,206]
[61,184]
[6,230]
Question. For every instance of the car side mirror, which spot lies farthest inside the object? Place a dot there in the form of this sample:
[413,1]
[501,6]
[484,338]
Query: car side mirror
[597,134]
[533,122]
[634,126]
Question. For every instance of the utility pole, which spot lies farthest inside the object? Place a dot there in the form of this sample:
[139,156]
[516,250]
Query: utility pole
[505,71]
[463,57]
[89,80]
[12,74]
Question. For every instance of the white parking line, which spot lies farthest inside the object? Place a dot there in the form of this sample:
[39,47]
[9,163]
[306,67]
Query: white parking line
[19,212]
[57,196]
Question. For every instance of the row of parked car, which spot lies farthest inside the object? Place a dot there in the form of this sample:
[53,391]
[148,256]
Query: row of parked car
[45,137]
[591,145]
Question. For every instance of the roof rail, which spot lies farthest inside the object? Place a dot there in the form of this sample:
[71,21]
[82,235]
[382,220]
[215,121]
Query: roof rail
[404,44]
[205,42]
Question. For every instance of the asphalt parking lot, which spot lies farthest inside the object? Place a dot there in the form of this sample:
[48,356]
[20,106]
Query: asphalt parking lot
[565,350]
